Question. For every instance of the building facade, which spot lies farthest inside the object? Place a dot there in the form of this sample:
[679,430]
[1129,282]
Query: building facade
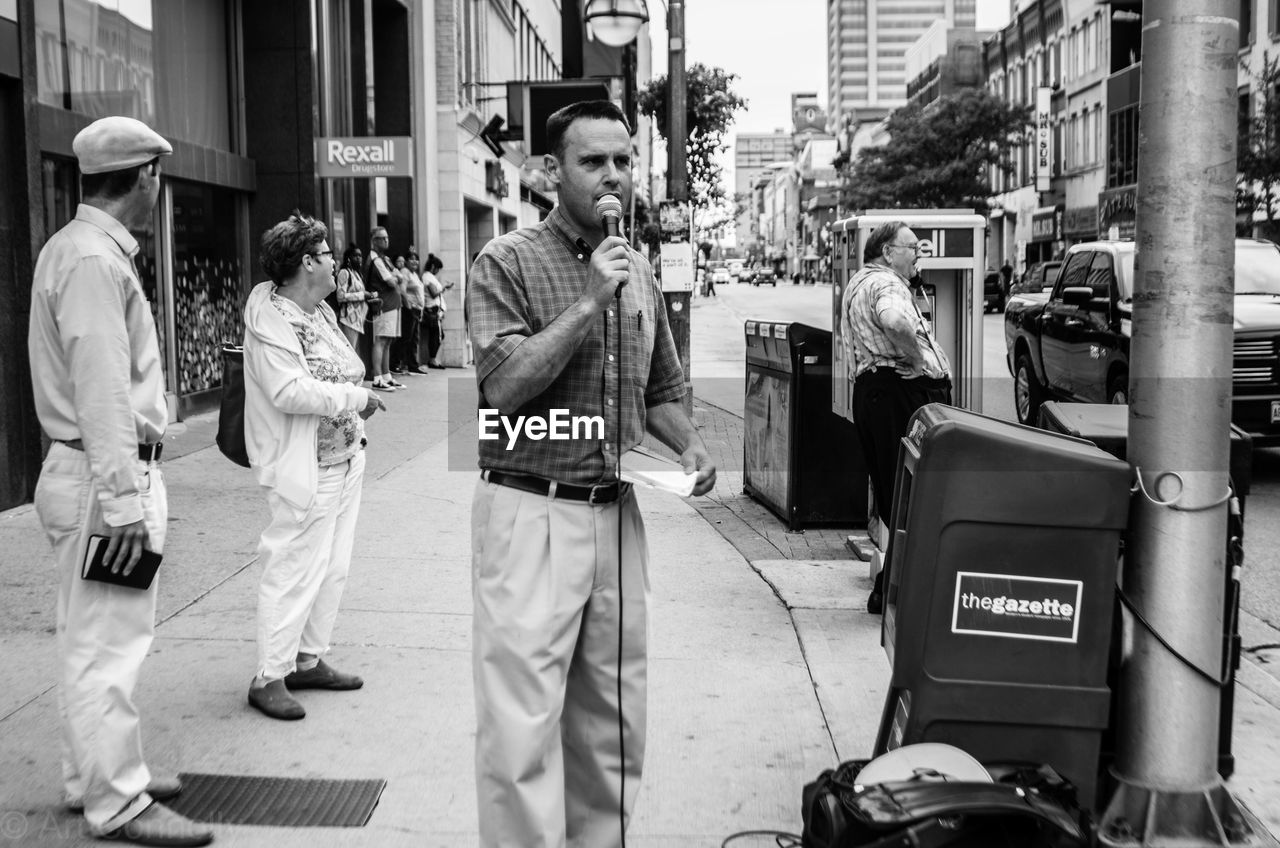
[1023,67]
[867,42]
[944,60]
[247,97]
[753,153]
[254,99]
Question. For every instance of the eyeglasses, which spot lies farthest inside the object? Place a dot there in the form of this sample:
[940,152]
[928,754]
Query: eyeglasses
[914,247]
[321,253]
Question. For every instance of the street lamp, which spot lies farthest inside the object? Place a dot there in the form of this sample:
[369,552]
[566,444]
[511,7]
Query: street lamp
[616,22]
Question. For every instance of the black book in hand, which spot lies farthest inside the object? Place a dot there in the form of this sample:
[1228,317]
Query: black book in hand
[95,568]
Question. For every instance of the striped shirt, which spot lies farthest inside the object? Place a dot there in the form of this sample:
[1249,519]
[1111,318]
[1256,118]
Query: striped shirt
[870,293]
[519,284]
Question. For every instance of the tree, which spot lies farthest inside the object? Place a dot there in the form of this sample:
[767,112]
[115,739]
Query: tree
[711,104]
[939,154]
[1258,151]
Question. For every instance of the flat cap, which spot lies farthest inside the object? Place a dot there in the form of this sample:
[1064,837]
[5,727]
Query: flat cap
[116,143]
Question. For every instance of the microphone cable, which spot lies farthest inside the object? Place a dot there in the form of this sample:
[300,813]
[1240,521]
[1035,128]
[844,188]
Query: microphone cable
[622,743]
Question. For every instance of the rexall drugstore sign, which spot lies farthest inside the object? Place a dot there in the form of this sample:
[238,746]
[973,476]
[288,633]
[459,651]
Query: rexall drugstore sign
[364,156]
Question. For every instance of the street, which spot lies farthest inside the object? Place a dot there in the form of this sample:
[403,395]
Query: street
[812,305]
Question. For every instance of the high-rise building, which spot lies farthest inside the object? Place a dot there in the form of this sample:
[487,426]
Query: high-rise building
[867,42]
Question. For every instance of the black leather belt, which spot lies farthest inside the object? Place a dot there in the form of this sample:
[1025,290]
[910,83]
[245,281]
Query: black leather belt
[146,453]
[599,494]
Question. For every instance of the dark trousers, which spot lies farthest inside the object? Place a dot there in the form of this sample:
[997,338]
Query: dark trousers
[432,321]
[883,403]
[404,351]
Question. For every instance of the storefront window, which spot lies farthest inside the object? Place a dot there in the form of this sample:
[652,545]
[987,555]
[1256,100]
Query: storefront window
[164,63]
[206,277]
[193,78]
[96,57]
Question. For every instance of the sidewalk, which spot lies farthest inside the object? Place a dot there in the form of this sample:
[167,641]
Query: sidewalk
[764,668]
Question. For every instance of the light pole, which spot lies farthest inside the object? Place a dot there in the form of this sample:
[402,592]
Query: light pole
[678,316]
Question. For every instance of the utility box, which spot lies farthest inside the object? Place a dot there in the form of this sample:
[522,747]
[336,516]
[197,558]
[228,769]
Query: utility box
[800,461]
[951,262]
[999,592]
[1107,426]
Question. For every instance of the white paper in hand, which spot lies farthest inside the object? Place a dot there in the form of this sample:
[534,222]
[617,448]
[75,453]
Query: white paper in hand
[643,468]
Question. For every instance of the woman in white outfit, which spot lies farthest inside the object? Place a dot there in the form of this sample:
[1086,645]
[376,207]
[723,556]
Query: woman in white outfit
[304,430]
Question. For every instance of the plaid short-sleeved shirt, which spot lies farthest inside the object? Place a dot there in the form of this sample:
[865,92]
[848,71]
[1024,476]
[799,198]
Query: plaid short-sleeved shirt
[871,291]
[519,284]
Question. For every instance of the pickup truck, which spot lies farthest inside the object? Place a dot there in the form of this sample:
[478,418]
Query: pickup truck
[1072,343]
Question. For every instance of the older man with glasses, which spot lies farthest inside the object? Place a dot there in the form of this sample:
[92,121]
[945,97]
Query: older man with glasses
[898,365]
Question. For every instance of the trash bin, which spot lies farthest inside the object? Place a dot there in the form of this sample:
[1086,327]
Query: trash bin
[800,460]
[1107,426]
[999,592]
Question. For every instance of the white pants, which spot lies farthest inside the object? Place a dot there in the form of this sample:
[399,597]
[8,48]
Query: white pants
[545,664]
[103,634]
[304,569]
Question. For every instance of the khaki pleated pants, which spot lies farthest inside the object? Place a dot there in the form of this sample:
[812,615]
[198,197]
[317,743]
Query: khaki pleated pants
[545,584]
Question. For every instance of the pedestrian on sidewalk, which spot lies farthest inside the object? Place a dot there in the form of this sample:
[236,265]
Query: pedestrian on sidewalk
[559,624]
[898,365]
[411,318]
[99,393]
[304,432]
[380,277]
[353,299]
[433,314]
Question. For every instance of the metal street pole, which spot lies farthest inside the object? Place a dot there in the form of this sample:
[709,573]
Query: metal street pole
[1169,791]
[678,177]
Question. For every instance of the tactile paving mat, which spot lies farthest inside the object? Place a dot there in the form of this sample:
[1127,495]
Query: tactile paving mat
[276,801]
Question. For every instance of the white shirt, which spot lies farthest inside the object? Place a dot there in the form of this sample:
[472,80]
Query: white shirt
[434,290]
[95,362]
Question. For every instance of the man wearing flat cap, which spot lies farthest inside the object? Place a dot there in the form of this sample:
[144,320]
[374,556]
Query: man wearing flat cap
[99,393]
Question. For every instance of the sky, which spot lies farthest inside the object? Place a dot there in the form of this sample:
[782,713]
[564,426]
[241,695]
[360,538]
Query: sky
[777,48]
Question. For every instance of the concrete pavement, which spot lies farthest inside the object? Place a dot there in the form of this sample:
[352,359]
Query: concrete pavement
[764,667]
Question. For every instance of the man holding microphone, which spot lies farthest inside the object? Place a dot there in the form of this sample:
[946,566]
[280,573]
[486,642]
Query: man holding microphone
[560,623]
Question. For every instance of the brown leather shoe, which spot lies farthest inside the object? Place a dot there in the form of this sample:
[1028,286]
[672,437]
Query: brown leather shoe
[323,676]
[161,788]
[275,701]
[158,825]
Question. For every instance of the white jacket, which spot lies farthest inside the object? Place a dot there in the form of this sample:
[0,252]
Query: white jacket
[283,402]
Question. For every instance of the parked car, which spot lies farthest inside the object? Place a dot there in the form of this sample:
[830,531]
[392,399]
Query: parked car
[736,269]
[765,275]
[720,275]
[1039,277]
[993,294]
[1072,343]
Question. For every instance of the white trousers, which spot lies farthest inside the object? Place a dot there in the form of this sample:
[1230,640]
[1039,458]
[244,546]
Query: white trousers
[546,663]
[304,569]
[103,635]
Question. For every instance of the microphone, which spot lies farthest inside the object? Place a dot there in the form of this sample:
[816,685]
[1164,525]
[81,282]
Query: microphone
[609,209]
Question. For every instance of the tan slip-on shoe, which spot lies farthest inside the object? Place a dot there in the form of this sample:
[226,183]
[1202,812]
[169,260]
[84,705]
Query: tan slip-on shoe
[323,676]
[161,788]
[158,825]
[275,701]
